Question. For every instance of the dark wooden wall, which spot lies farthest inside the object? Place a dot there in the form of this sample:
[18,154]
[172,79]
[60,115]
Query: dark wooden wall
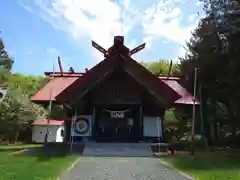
[120,88]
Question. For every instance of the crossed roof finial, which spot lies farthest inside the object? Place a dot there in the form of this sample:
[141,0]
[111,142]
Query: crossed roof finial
[118,48]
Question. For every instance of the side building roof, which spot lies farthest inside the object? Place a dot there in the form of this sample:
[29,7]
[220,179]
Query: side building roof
[61,83]
[186,96]
[53,88]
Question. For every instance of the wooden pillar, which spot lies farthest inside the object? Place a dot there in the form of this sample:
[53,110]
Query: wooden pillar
[141,121]
[93,134]
[162,125]
[67,122]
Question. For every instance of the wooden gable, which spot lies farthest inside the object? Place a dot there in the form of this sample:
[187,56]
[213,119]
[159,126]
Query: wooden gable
[94,76]
[72,86]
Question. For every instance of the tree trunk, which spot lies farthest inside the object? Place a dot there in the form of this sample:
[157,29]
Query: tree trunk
[206,114]
[16,136]
[216,139]
[232,116]
[202,112]
[18,128]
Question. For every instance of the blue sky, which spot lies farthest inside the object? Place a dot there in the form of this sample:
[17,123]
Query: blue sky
[35,32]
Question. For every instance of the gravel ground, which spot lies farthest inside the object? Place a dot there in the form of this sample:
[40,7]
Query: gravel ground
[121,168]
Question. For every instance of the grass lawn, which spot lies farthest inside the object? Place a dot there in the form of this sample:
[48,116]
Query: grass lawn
[38,167]
[208,166]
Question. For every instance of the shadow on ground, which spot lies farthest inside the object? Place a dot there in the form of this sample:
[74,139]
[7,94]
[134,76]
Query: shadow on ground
[12,148]
[52,150]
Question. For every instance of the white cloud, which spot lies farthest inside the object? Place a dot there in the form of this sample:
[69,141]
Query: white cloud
[148,40]
[27,8]
[192,17]
[180,53]
[199,3]
[163,20]
[102,19]
[80,18]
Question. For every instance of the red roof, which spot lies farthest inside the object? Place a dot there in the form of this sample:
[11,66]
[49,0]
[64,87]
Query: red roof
[51,122]
[57,85]
[60,83]
[186,97]
[67,84]
[107,66]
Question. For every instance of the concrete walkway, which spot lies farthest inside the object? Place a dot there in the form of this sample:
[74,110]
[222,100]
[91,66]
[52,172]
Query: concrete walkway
[121,168]
[120,161]
[117,150]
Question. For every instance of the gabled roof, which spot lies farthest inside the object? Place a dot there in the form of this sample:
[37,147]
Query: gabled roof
[118,56]
[43,95]
[70,87]
[81,86]
[89,78]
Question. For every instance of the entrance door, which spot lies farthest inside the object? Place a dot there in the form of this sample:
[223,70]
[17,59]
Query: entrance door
[117,124]
[116,129]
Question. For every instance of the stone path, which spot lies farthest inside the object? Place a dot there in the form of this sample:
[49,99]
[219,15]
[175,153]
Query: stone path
[118,150]
[121,168]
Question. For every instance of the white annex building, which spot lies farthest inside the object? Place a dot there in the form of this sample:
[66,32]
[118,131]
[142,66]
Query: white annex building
[55,130]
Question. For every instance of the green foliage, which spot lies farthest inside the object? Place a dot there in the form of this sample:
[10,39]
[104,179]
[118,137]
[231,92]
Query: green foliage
[17,112]
[28,84]
[162,67]
[214,49]
[170,115]
[5,63]
[57,112]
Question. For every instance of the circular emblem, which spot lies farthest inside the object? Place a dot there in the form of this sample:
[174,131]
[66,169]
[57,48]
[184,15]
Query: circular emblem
[82,125]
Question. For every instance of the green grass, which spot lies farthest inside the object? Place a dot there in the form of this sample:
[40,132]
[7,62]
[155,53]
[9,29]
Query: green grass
[208,166]
[38,167]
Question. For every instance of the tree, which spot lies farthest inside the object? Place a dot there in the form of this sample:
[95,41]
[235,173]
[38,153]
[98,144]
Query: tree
[5,63]
[214,49]
[162,67]
[28,84]
[17,114]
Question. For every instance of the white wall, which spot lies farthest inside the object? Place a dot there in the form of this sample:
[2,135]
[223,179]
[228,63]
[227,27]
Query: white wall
[150,126]
[59,134]
[38,133]
[89,132]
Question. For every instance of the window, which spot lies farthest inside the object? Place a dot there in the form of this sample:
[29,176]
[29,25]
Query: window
[44,132]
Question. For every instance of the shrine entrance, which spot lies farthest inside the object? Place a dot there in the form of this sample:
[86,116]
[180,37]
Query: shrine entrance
[117,123]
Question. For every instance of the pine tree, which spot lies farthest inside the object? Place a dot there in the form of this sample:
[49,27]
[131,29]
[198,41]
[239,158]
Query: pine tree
[5,63]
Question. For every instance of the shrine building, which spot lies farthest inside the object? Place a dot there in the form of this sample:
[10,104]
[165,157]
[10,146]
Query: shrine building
[117,100]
